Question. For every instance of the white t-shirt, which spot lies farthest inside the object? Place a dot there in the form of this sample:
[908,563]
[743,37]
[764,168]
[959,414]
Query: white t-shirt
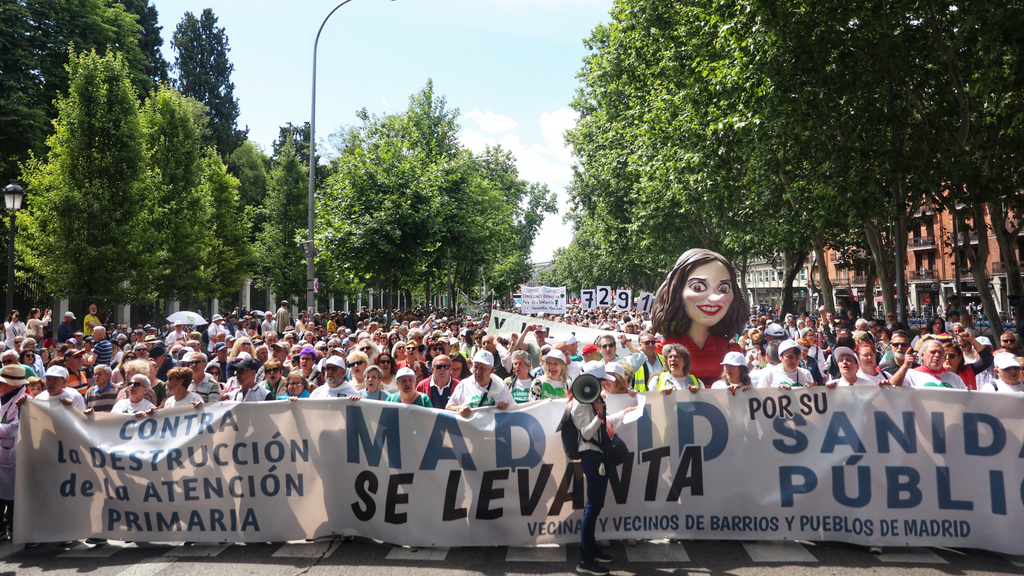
[947,379]
[126,406]
[212,332]
[189,398]
[862,380]
[343,391]
[175,336]
[267,326]
[777,376]
[70,393]
[875,379]
[720,385]
[1001,387]
[255,394]
[468,392]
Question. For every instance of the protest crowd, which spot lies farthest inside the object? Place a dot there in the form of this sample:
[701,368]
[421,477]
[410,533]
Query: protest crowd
[434,359]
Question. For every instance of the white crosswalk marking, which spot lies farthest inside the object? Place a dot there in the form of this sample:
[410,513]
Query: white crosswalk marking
[197,550]
[86,551]
[540,553]
[148,567]
[657,551]
[422,554]
[786,551]
[910,555]
[301,549]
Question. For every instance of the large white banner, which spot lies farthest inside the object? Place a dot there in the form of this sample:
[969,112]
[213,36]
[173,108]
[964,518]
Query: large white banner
[507,323]
[542,299]
[883,467]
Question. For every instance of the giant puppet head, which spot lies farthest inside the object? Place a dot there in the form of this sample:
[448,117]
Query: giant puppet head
[699,297]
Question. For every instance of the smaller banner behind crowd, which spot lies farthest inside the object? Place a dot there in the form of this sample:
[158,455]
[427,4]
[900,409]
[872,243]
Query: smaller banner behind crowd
[872,466]
[542,300]
[506,323]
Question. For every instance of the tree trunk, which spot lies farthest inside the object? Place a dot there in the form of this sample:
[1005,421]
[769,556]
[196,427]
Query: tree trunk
[391,290]
[742,271]
[408,299]
[824,279]
[978,261]
[869,291]
[430,301]
[1006,238]
[880,254]
[792,264]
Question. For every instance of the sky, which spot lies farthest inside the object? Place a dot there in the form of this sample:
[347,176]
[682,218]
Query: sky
[509,66]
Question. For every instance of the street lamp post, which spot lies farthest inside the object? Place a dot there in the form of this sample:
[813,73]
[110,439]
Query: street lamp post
[13,195]
[311,252]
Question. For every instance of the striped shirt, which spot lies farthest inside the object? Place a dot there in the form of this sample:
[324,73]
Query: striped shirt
[103,352]
[101,401]
[208,389]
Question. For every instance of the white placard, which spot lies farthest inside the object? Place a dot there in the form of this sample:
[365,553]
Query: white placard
[644,303]
[543,300]
[604,296]
[623,300]
[587,299]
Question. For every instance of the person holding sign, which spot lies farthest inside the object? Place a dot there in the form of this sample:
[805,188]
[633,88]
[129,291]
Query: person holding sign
[788,374]
[407,393]
[700,305]
[677,376]
[479,391]
[1008,369]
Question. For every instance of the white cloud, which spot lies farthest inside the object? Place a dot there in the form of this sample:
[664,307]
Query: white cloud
[490,122]
[548,162]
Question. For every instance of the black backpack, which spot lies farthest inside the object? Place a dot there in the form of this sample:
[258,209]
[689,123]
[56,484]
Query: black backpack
[570,435]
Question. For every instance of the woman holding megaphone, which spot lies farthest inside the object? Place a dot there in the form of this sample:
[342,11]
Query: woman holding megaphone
[587,409]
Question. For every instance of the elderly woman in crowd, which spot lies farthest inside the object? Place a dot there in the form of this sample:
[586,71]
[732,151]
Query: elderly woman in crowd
[735,374]
[273,377]
[407,393]
[677,374]
[135,402]
[357,364]
[295,386]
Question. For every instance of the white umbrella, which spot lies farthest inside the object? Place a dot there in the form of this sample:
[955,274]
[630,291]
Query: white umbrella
[257,314]
[186,317]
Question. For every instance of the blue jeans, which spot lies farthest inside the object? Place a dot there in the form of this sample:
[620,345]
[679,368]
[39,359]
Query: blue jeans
[597,485]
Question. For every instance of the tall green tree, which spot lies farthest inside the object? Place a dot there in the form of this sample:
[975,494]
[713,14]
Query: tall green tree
[149,38]
[85,199]
[250,165]
[280,265]
[229,259]
[203,71]
[177,212]
[35,39]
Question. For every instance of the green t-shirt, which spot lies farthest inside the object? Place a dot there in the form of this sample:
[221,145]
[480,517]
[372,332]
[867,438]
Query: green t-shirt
[421,400]
[543,389]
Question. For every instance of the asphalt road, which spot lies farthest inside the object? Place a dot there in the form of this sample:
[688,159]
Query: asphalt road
[331,557]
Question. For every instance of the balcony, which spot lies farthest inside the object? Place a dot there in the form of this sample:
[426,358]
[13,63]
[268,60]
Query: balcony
[923,275]
[999,268]
[840,282]
[922,243]
[860,280]
[963,238]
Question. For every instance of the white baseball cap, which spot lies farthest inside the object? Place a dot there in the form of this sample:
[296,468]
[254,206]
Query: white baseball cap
[1003,360]
[335,361]
[841,351]
[485,357]
[774,330]
[789,345]
[734,359]
[56,372]
[405,372]
[614,368]
[596,369]
[557,354]
[571,340]
[984,341]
